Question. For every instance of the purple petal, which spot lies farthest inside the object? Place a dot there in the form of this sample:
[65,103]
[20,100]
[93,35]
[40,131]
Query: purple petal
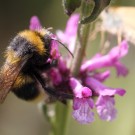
[102,76]
[55,54]
[61,36]
[94,84]
[121,69]
[69,35]
[86,92]
[112,92]
[35,23]
[90,102]
[56,77]
[96,63]
[62,65]
[105,108]
[82,110]
[76,103]
[72,25]
[96,56]
[78,89]
[107,60]
[101,89]
[120,50]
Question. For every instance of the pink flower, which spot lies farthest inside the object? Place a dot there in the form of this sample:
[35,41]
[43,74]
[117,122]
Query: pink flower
[69,35]
[87,85]
[105,108]
[82,103]
[100,89]
[78,90]
[82,110]
[105,102]
[102,76]
[121,69]
[35,23]
[111,59]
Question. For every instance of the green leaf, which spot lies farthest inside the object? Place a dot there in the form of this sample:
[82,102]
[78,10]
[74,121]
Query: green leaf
[70,5]
[123,3]
[99,6]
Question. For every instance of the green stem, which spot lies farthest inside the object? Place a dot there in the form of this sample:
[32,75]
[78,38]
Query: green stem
[62,118]
[80,49]
[81,42]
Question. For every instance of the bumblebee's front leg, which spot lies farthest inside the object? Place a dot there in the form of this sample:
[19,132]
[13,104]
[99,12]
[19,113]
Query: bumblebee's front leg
[51,91]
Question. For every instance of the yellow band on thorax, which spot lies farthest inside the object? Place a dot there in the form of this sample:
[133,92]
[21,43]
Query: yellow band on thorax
[34,39]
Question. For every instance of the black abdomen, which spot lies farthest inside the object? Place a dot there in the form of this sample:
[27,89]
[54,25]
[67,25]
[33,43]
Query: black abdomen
[26,87]
[27,91]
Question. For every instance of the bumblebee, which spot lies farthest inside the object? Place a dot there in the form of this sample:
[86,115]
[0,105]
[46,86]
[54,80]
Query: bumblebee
[26,57]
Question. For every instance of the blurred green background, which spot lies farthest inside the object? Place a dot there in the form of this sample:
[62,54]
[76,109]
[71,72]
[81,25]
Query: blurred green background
[18,117]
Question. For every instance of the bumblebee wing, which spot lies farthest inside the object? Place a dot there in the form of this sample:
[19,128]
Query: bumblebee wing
[8,77]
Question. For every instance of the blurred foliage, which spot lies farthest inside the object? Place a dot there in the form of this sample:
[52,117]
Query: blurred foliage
[21,118]
[98,6]
[123,2]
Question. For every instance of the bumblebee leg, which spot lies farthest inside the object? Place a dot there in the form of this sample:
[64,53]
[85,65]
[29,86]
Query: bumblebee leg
[57,94]
[51,91]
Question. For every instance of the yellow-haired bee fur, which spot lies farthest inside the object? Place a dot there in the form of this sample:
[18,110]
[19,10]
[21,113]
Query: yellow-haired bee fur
[25,57]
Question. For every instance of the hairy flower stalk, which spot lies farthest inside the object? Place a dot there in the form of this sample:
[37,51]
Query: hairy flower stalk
[83,79]
[80,49]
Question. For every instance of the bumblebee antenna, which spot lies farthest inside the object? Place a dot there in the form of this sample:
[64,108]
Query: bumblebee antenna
[64,46]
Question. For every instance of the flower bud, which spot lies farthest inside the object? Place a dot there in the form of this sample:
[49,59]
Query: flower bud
[99,6]
[70,6]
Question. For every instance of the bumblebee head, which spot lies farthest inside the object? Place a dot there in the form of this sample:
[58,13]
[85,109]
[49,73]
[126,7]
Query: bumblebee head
[48,36]
[36,43]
